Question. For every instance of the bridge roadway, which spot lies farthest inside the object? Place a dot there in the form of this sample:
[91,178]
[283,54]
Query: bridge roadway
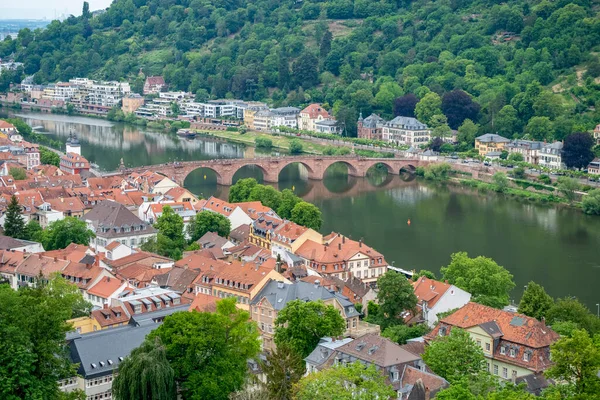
[271,167]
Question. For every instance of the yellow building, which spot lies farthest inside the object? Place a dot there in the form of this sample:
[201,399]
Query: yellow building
[104,318]
[490,143]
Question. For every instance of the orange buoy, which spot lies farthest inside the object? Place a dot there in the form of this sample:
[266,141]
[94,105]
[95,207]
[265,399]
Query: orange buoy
[408,222]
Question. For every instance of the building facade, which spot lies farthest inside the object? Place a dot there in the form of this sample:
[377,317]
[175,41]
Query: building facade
[490,143]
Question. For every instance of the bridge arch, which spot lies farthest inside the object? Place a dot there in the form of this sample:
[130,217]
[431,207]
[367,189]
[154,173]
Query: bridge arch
[267,175]
[220,179]
[309,169]
[352,170]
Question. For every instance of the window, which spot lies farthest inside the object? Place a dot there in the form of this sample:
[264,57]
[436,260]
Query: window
[479,342]
[270,313]
[488,367]
[526,356]
[495,369]
[487,347]
[502,350]
[504,372]
[512,352]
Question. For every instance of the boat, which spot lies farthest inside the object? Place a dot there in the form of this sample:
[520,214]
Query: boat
[186,133]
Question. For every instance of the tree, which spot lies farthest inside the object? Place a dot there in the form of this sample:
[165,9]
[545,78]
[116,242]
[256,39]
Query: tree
[240,192]
[568,186]
[535,302]
[454,356]
[295,146]
[59,234]
[33,231]
[86,10]
[569,309]
[515,157]
[436,143]
[208,221]
[263,142]
[507,122]
[33,350]
[488,283]
[301,325]
[467,132]
[209,351]
[283,368]
[48,157]
[404,106]
[402,333]
[539,128]
[350,382]
[14,225]
[325,46]
[145,374]
[591,202]
[427,107]
[305,70]
[501,181]
[307,214]
[170,225]
[267,195]
[395,295]
[18,174]
[426,273]
[458,106]
[287,203]
[577,150]
[576,360]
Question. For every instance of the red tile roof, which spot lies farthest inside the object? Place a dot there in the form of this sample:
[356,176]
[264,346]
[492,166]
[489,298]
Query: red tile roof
[429,290]
[110,316]
[105,287]
[112,245]
[314,110]
[253,208]
[72,204]
[219,206]
[204,303]
[516,328]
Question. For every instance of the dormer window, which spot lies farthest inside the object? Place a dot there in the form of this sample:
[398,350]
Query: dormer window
[442,331]
[512,352]
[502,350]
[526,356]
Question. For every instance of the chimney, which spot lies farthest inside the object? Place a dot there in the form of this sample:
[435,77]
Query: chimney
[343,239]
[360,243]
[55,259]
[108,279]
[88,266]
[39,256]
[105,306]
[427,393]
[317,282]
[339,246]
[324,247]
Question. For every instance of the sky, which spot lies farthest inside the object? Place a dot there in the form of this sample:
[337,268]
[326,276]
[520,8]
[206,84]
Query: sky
[39,9]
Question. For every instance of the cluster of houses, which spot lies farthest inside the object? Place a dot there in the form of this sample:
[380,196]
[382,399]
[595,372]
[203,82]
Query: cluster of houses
[399,131]
[16,152]
[85,95]
[544,154]
[264,263]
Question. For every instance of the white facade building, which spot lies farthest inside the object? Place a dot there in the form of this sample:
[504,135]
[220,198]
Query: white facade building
[405,130]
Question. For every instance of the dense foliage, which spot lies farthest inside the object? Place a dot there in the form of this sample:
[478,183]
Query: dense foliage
[209,351]
[354,55]
[14,225]
[33,350]
[59,234]
[488,282]
[353,381]
[395,295]
[300,325]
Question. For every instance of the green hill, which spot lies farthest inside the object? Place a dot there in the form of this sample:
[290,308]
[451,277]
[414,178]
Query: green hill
[357,56]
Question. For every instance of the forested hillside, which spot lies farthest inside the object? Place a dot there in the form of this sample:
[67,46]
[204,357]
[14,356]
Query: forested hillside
[530,65]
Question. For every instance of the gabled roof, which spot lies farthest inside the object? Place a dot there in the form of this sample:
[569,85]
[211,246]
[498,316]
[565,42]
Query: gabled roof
[110,214]
[6,242]
[212,239]
[241,233]
[314,110]
[412,375]
[278,294]
[110,316]
[34,265]
[204,303]
[378,350]
[254,208]
[155,81]
[72,204]
[178,279]
[141,257]
[516,328]
[219,206]
[105,287]
[429,290]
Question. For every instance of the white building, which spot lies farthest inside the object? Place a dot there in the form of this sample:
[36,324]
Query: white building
[550,156]
[436,297]
[405,130]
[284,116]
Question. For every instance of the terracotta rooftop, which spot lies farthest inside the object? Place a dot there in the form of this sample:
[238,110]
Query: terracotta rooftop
[10,259]
[112,245]
[314,110]
[178,191]
[81,274]
[378,350]
[34,265]
[69,204]
[516,328]
[253,208]
[288,232]
[219,206]
[110,316]
[429,290]
[204,303]
[241,233]
[105,287]
[142,257]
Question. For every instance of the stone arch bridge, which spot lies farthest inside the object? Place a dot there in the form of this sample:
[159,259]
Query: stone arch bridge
[225,169]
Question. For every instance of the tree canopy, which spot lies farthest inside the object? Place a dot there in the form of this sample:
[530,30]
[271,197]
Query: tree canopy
[454,356]
[14,225]
[535,302]
[33,349]
[209,351]
[395,295]
[59,234]
[208,221]
[350,382]
[300,325]
[488,283]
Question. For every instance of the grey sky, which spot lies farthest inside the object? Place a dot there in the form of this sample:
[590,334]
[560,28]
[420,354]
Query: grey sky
[38,9]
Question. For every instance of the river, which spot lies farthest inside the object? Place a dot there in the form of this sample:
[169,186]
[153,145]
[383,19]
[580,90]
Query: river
[558,248]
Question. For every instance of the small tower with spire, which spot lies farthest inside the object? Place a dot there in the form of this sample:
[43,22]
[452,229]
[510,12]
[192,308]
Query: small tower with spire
[73,145]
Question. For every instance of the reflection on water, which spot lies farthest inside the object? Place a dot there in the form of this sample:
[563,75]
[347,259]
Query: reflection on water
[558,248]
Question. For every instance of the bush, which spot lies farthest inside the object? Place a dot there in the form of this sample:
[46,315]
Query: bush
[295,146]
[591,202]
[263,142]
[437,172]
[545,179]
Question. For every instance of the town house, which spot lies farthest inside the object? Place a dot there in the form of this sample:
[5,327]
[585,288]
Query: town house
[277,294]
[312,114]
[514,345]
[405,130]
[490,143]
[434,297]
